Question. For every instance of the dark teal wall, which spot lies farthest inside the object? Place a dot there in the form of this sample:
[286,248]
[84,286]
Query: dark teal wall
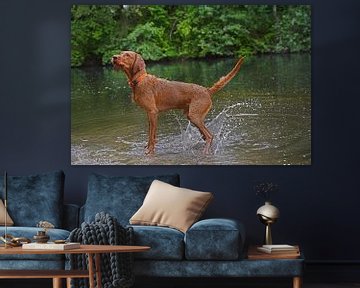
[318,203]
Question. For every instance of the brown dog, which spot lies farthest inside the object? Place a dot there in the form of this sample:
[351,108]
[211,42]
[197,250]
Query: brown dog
[156,95]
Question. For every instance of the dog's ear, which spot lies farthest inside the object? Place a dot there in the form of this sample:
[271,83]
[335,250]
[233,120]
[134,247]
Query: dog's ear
[139,64]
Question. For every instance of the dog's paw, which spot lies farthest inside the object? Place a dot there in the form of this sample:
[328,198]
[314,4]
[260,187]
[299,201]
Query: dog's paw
[149,150]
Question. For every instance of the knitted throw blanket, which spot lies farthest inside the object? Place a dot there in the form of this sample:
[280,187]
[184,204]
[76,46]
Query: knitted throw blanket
[116,268]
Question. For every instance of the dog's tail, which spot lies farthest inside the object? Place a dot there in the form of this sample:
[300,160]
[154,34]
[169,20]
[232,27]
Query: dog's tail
[226,79]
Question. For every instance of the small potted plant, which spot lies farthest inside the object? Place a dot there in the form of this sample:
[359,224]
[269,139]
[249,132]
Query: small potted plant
[41,236]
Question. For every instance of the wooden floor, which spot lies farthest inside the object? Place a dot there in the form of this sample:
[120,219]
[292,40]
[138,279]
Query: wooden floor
[45,283]
[337,285]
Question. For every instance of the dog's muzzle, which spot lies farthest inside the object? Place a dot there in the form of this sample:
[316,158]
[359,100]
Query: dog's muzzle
[115,61]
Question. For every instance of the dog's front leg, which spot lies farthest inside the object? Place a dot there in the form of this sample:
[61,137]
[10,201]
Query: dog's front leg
[152,117]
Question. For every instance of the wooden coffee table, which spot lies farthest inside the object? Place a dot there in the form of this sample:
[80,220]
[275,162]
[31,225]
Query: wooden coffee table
[94,267]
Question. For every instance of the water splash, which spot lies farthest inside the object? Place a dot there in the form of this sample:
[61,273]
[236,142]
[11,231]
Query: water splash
[225,126]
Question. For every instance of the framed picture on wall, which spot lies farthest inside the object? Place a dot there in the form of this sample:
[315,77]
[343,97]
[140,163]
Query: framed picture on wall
[262,116]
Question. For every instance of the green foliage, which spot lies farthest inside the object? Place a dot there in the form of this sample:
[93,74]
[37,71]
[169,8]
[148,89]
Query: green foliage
[93,30]
[148,40]
[292,27]
[168,31]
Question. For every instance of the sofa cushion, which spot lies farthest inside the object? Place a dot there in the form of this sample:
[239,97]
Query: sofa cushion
[165,243]
[120,196]
[170,206]
[9,221]
[35,198]
[214,239]
[29,232]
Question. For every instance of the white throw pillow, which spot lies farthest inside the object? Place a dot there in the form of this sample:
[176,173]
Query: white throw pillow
[170,206]
[9,221]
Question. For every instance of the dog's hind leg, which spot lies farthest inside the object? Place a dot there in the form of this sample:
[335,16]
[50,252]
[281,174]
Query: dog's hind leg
[207,136]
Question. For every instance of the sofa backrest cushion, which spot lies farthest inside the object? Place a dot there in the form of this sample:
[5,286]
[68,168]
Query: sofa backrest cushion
[35,198]
[120,196]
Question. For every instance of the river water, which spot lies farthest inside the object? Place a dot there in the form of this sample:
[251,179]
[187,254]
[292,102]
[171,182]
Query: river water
[262,117]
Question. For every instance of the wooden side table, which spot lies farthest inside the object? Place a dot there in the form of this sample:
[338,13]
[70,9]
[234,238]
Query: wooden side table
[254,254]
[93,251]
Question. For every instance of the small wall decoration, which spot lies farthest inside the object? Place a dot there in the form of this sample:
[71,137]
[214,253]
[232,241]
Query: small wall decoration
[247,100]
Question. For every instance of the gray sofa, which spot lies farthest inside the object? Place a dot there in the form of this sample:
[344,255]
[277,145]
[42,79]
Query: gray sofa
[210,248]
[32,199]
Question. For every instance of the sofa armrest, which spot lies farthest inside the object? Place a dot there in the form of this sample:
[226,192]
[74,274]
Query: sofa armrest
[215,239]
[71,216]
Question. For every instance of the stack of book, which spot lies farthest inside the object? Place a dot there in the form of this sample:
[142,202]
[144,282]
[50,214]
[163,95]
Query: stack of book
[282,251]
[51,246]
[278,249]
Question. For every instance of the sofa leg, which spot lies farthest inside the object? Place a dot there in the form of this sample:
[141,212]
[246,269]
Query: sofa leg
[297,282]
[57,283]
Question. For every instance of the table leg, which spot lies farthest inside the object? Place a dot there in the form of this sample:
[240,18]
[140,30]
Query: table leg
[91,270]
[98,270]
[68,282]
[297,282]
[57,283]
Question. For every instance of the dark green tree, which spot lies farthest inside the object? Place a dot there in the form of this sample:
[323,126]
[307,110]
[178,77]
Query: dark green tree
[187,31]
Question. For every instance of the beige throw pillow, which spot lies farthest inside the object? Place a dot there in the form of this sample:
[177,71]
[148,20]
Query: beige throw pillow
[9,221]
[170,206]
